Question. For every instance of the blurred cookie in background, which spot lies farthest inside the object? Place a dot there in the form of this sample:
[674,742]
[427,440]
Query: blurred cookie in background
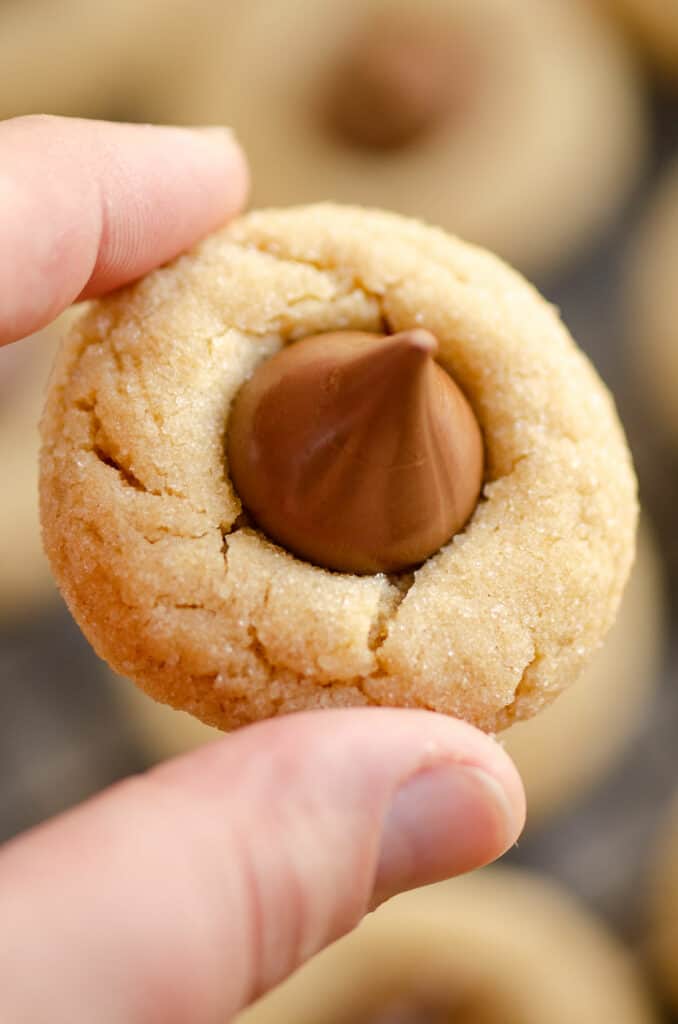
[571,745]
[496,947]
[654,26]
[518,126]
[114,59]
[652,307]
[662,921]
[25,578]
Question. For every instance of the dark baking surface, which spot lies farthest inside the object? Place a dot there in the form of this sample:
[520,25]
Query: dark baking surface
[62,737]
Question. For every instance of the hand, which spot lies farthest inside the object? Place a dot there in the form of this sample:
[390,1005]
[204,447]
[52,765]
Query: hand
[183,894]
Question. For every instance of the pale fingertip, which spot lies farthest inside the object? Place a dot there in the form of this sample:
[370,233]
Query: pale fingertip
[87,207]
[444,821]
[228,148]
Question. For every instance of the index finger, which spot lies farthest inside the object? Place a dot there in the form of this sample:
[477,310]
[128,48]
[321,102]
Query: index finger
[87,206]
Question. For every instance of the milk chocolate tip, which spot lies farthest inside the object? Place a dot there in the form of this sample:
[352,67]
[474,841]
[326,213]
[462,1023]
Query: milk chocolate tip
[418,338]
[395,357]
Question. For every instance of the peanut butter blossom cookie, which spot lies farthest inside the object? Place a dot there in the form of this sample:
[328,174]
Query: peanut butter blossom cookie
[519,126]
[334,457]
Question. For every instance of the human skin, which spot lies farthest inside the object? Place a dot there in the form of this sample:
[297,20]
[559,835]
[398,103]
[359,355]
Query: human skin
[182,894]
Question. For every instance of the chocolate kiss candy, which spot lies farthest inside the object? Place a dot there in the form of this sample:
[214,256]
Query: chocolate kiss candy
[356,451]
[400,78]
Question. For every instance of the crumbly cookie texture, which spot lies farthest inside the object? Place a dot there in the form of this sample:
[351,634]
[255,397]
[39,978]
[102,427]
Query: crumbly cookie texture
[560,753]
[176,591]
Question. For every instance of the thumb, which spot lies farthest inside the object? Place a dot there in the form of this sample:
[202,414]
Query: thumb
[183,894]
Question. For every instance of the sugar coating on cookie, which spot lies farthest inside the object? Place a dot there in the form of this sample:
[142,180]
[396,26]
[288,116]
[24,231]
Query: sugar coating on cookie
[563,752]
[144,529]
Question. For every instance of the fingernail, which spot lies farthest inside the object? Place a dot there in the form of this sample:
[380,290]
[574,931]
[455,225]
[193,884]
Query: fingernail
[443,821]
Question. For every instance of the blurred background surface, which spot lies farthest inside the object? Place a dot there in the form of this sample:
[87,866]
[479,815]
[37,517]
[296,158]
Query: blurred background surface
[548,131]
